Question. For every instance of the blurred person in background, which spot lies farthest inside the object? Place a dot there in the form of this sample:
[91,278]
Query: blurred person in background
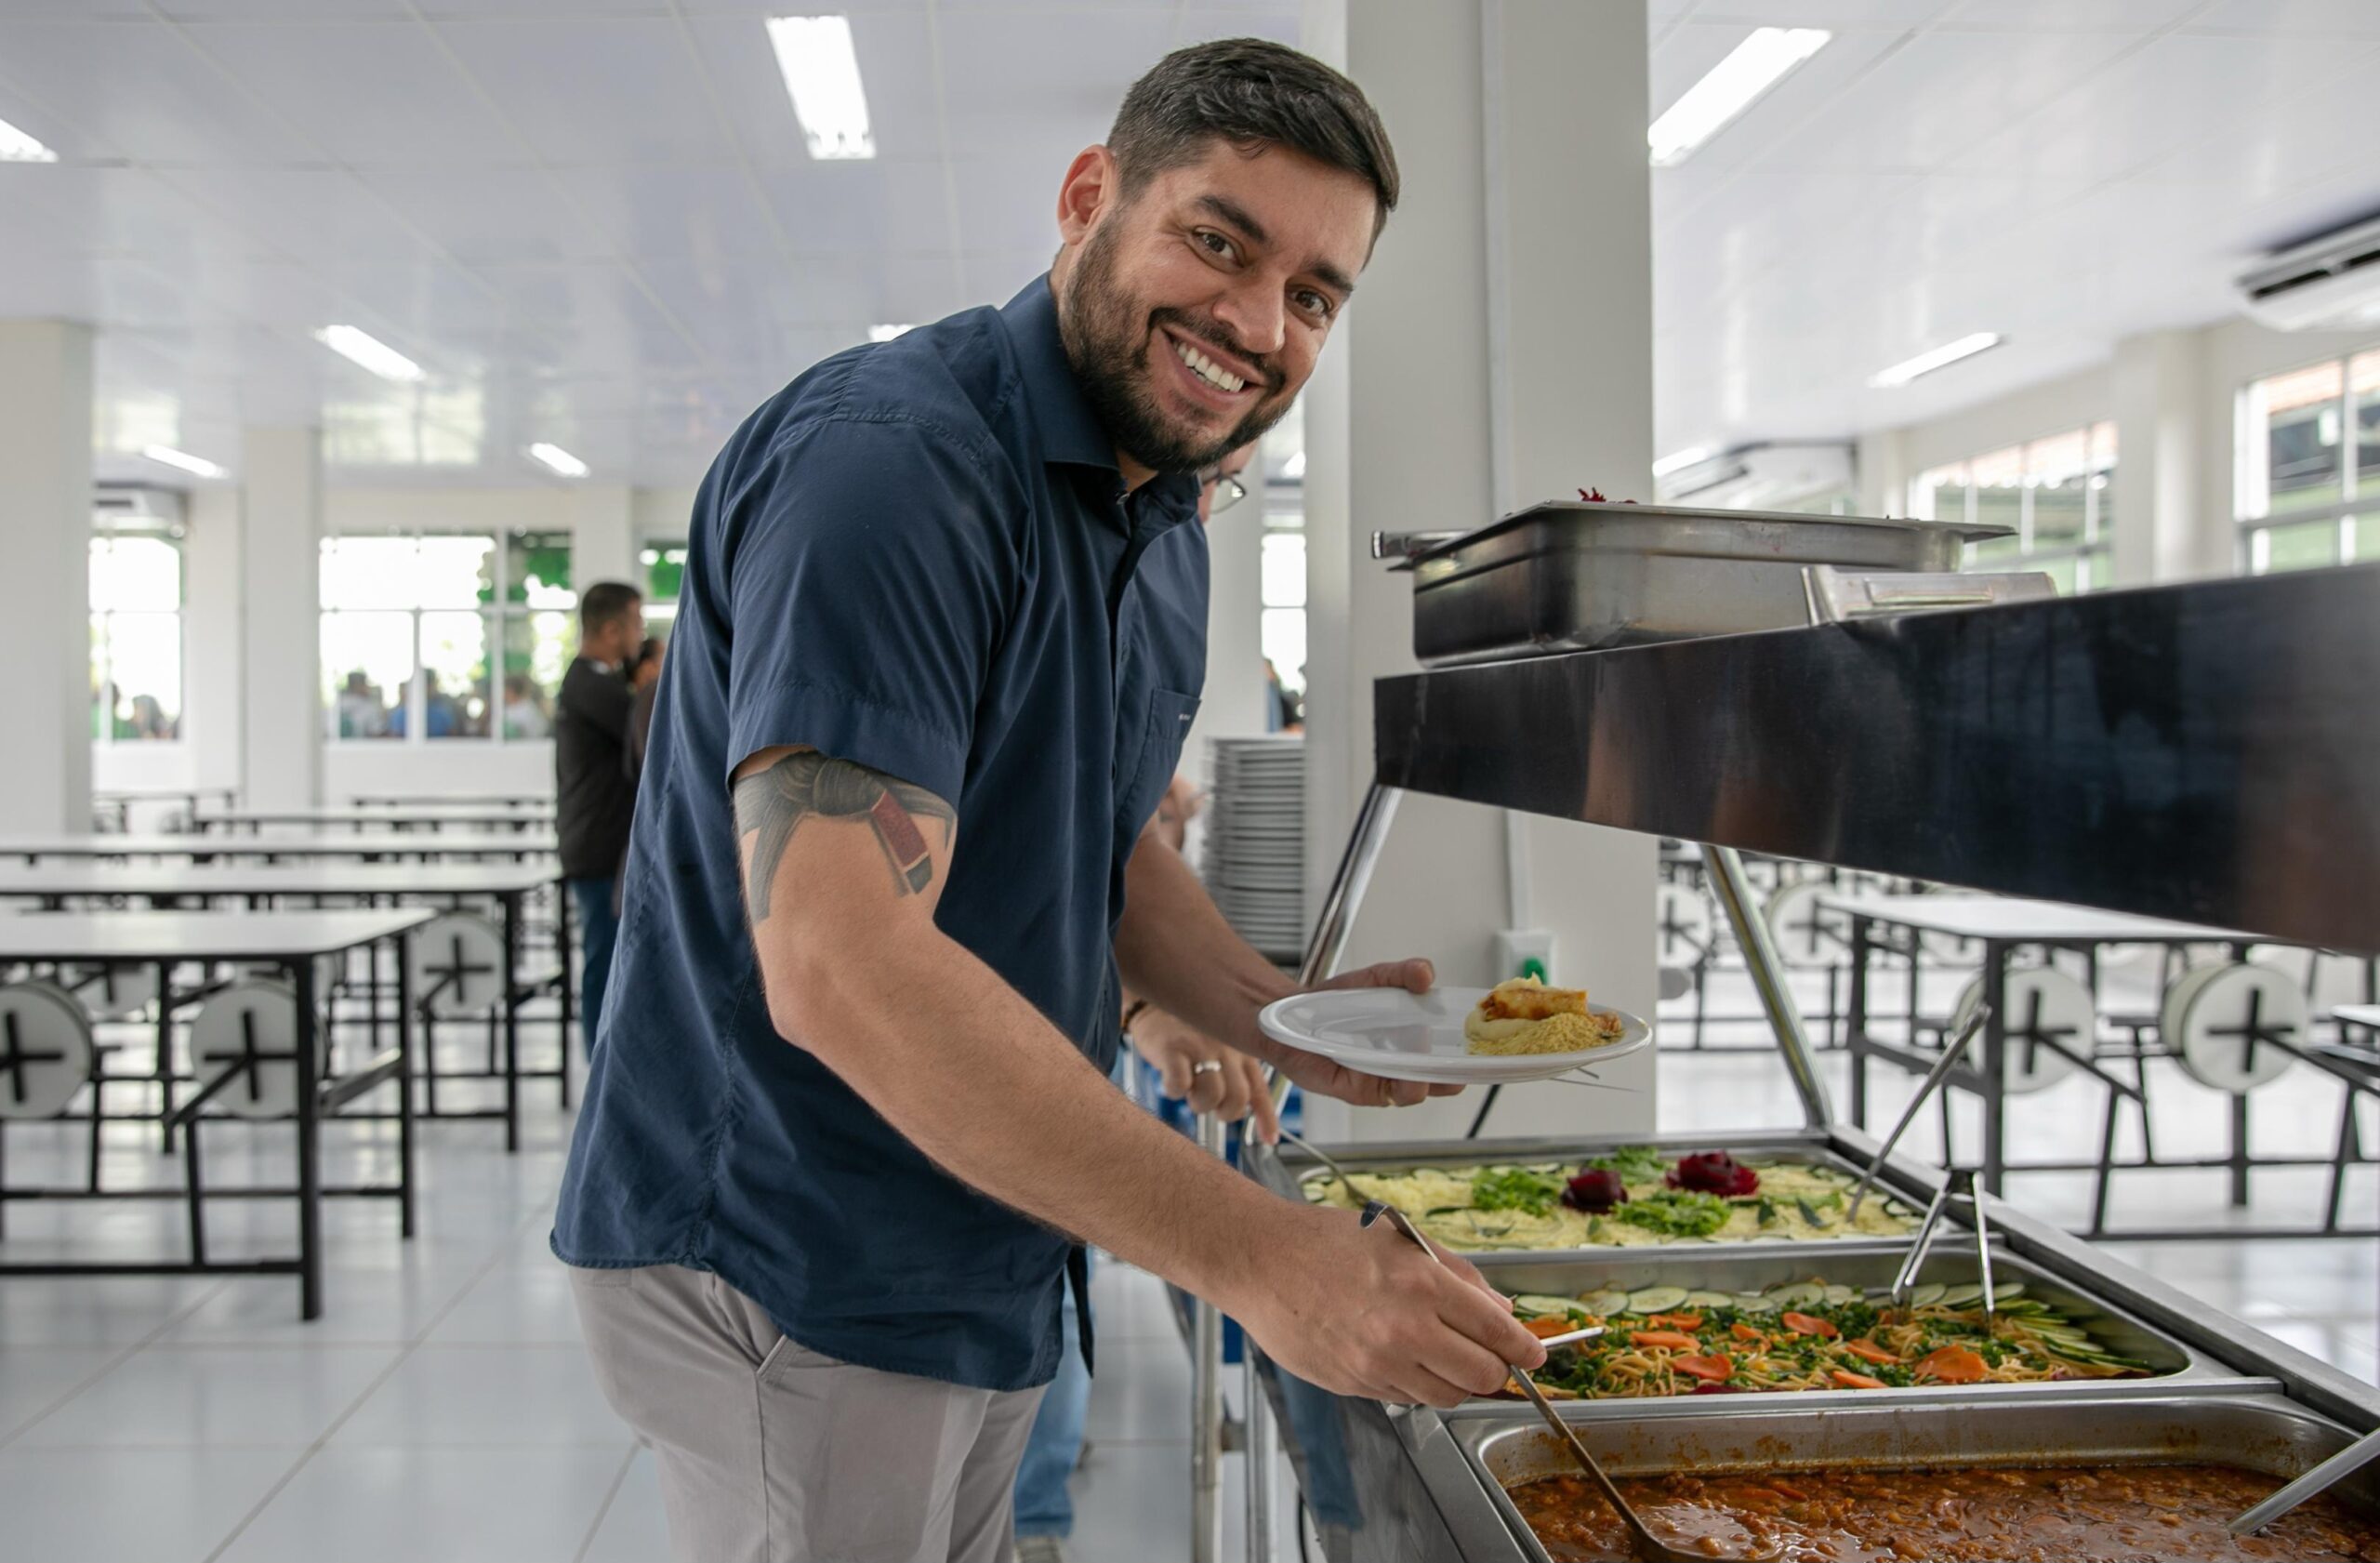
[594,790]
[361,714]
[525,708]
[644,689]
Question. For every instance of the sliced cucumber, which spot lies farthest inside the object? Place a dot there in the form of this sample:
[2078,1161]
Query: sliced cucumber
[1927,1295]
[1838,1295]
[1529,1304]
[1709,1300]
[1655,1299]
[1799,1295]
[2007,1293]
[1602,1304]
[1965,1296]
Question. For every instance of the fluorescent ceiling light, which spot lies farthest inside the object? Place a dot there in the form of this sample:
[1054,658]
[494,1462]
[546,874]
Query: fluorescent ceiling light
[1733,86]
[182,460]
[1678,461]
[557,460]
[359,346]
[886,333]
[1935,358]
[822,77]
[17,147]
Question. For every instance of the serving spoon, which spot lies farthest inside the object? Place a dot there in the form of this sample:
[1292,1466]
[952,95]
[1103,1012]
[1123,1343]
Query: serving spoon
[1641,1539]
[2345,1462]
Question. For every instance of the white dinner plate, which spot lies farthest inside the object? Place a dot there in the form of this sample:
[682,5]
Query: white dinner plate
[1418,1036]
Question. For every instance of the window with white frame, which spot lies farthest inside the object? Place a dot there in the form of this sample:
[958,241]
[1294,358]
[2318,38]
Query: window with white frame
[2308,466]
[434,636]
[135,634]
[2055,495]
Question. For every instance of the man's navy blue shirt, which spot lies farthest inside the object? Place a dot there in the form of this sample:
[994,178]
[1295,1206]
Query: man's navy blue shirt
[919,556]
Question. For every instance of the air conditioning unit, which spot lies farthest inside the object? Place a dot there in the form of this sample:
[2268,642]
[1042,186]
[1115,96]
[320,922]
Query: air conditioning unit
[137,507]
[1772,475]
[2328,284]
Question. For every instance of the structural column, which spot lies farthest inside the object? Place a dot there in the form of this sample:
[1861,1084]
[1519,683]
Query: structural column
[2160,533]
[602,547]
[281,575]
[214,690]
[46,538]
[1499,352]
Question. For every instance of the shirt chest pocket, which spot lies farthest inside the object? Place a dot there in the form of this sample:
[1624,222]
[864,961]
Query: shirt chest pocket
[1149,734]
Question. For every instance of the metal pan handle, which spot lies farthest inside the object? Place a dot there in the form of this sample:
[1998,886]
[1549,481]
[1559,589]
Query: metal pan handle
[1837,596]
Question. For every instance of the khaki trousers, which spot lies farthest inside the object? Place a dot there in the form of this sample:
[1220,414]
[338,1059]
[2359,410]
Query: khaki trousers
[771,1453]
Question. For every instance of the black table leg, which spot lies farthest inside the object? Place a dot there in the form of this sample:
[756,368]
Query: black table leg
[309,1149]
[1856,1024]
[404,1090]
[512,1022]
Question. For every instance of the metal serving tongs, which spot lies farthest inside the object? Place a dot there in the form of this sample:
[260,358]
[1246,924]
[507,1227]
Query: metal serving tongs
[2345,1462]
[1910,1266]
[1952,1051]
[1648,1547]
[1323,1156]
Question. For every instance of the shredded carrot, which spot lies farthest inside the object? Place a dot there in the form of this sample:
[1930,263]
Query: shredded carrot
[1850,1380]
[1869,1351]
[1714,1369]
[1743,1332]
[1674,1340]
[1802,1324]
[1676,1321]
[1542,1327]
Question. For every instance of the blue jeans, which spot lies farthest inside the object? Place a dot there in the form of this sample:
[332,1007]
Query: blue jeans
[599,928]
[1043,1508]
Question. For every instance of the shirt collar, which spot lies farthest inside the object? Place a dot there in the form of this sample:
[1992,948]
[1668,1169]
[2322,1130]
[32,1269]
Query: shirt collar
[1070,431]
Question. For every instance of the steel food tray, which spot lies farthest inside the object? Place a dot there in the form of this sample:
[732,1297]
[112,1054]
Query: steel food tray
[1286,1168]
[2251,1428]
[1870,1267]
[1583,576]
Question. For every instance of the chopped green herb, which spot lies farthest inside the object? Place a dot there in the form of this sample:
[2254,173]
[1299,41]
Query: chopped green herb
[1514,1188]
[1676,1213]
[1633,1163]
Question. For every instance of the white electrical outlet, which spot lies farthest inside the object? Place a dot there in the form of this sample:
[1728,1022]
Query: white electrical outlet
[1523,952]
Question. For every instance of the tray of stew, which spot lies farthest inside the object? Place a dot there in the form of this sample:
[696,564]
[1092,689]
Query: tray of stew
[2064,1482]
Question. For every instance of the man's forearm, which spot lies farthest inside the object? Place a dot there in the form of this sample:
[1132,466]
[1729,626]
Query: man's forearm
[965,1067]
[1176,950]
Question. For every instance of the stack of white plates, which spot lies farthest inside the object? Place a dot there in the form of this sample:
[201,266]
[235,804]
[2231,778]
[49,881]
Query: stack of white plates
[1254,859]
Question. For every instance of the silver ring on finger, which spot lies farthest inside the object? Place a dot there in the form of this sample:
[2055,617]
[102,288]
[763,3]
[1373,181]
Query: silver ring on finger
[1207,1067]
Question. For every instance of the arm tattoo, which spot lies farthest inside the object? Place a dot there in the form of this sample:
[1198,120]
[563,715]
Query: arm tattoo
[774,802]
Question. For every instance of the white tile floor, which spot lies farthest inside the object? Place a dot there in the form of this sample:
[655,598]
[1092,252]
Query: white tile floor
[440,1411]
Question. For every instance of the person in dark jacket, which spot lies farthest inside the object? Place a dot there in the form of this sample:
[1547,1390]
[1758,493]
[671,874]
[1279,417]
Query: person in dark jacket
[594,789]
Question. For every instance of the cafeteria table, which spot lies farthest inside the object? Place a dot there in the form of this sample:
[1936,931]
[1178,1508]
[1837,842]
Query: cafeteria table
[2004,926]
[410,817]
[506,882]
[420,846]
[291,940]
[491,800]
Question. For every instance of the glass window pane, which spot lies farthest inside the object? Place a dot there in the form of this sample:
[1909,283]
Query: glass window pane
[537,647]
[136,572]
[365,659]
[2364,378]
[2000,506]
[2295,429]
[408,572]
[145,664]
[2307,546]
[1281,570]
[454,670]
[2058,512]
[105,698]
[538,569]
[1282,634]
[663,564]
[2367,539]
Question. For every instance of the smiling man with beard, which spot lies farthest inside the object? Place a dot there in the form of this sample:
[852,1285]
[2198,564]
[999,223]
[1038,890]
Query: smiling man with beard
[940,637]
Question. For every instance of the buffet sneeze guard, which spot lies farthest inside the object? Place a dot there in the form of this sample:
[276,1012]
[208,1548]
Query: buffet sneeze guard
[2205,752]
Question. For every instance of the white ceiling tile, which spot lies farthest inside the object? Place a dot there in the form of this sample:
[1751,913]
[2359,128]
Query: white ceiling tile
[1008,91]
[140,91]
[375,93]
[595,90]
[1822,13]
[2068,16]
[2178,89]
[895,53]
[301,213]
[2358,19]
[489,213]
[1259,19]
[873,207]
[1012,204]
[667,209]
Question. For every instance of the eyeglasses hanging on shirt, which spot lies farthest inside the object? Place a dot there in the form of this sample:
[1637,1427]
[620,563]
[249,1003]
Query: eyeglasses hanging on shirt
[1226,490]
